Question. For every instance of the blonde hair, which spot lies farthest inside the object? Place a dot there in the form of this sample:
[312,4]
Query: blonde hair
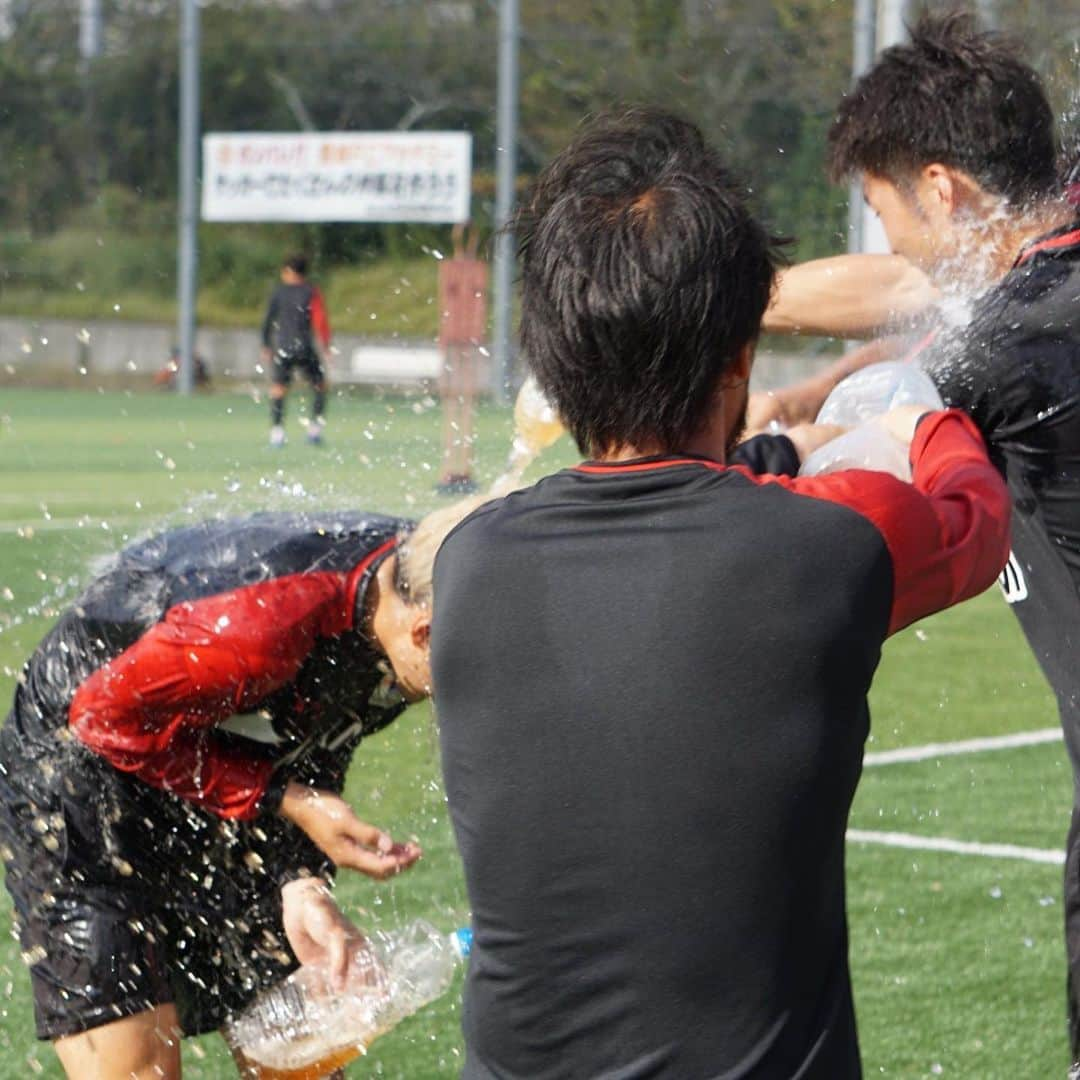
[417,549]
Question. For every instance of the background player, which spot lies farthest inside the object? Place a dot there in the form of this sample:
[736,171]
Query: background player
[176,752]
[296,334]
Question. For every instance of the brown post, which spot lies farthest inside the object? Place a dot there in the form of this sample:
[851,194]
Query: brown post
[463,288]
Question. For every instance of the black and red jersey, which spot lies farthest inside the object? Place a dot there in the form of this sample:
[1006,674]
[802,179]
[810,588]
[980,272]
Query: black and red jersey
[294,314]
[651,684]
[1015,369]
[191,629]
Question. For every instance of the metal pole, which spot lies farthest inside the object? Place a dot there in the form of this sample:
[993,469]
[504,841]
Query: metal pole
[505,174]
[893,17]
[863,47]
[188,254]
[90,38]
[89,29]
[988,13]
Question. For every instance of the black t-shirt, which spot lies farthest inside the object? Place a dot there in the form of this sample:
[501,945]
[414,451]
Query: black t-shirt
[651,681]
[290,319]
[1015,369]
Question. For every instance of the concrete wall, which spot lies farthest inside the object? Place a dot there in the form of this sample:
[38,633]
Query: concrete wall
[35,347]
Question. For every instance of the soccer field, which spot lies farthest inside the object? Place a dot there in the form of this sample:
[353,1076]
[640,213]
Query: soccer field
[954,875]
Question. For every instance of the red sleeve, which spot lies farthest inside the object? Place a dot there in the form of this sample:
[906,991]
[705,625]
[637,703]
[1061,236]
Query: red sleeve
[320,320]
[151,710]
[947,531]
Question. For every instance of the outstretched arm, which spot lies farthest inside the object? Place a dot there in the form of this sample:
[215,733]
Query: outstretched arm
[853,296]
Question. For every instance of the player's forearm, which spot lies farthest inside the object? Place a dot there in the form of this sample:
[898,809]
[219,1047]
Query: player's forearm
[190,764]
[970,506]
[848,296]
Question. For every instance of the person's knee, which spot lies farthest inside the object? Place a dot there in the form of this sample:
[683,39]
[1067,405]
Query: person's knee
[141,1047]
[278,390]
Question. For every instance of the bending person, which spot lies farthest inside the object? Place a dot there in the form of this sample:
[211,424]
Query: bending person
[176,751]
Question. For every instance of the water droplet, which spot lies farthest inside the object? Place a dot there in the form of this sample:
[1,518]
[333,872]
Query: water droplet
[33,955]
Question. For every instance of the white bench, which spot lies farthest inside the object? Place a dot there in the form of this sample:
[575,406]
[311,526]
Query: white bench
[393,364]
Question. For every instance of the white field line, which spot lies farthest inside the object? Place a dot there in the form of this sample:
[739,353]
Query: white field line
[962,746]
[956,847]
[959,847]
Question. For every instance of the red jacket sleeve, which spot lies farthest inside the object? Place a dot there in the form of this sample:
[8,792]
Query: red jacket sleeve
[320,320]
[150,712]
[947,532]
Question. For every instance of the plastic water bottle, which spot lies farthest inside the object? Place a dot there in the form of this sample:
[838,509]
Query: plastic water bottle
[858,402]
[304,1028]
[875,390]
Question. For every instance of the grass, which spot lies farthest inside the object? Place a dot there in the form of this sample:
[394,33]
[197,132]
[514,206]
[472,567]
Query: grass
[957,960]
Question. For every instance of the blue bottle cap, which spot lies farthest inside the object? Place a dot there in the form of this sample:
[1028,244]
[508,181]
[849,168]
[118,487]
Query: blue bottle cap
[463,940]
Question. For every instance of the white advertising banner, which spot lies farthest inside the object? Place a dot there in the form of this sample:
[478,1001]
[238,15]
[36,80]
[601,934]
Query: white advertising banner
[337,176]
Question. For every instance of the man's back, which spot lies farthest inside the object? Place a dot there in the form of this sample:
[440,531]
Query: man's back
[295,310]
[671,720]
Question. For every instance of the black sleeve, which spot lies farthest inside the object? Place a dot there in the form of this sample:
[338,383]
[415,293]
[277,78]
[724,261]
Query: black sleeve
[268,321]
[970,365]
[774,455]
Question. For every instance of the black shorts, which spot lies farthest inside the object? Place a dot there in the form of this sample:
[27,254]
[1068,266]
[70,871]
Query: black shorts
[308,363]
[126,899]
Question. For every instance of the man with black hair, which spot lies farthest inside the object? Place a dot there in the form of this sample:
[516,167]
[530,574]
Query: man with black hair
[954,139]
[296,334]
[651,670]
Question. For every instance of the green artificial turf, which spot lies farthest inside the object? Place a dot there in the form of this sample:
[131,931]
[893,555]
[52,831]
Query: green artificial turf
[957,959]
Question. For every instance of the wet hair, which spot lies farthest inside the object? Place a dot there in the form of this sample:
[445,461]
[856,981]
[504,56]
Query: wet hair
[418,547]
[956,96]
[297,263]
[643,276]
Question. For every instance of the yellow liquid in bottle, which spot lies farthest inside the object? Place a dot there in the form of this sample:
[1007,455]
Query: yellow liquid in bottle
[313,1070]
[536,424]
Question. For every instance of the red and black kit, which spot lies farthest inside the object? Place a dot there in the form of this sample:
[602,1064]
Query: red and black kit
[651,683]
[1016,370]
[142,764]
[295,316]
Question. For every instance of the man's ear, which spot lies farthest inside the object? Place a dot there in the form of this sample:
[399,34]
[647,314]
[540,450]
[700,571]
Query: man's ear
[738,371]
[420,628]
[948,191]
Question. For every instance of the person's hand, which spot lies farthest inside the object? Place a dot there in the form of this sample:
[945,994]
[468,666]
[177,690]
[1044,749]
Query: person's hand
[266,353]
[318,931]
[808,437]
[764,414]
[331,824]
[900,422]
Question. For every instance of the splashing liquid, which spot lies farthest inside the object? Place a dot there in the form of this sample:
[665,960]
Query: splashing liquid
[536,427]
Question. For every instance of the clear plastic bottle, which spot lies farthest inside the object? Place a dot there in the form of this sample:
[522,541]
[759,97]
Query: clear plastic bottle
[536,427]
[304,1028]
[858,402]
[875,390]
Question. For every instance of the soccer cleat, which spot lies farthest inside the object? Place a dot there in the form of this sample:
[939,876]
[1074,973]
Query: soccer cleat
[277,435]
[315,432]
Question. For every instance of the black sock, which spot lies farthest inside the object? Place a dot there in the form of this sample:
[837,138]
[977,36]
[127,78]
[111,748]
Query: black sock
[277,410]
[318,406]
